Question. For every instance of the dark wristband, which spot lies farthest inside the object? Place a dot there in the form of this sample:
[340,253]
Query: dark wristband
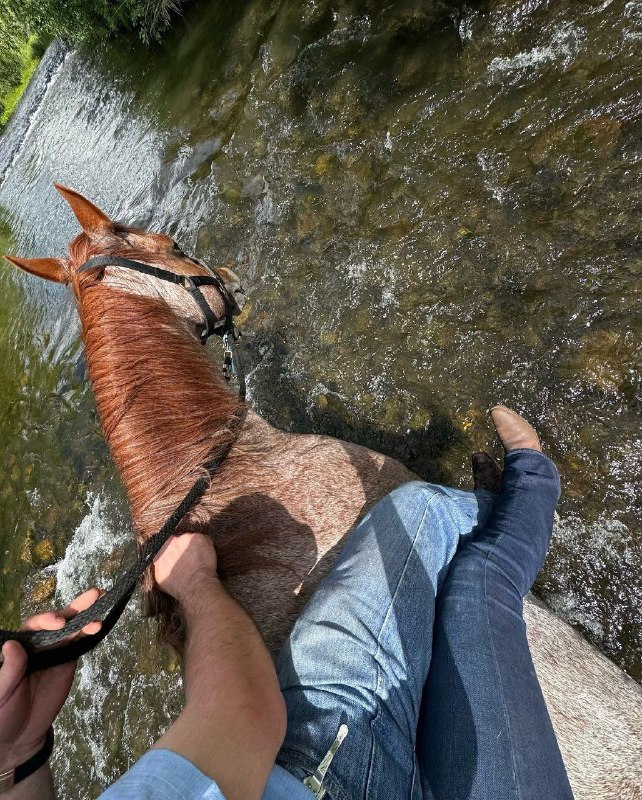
[28,767]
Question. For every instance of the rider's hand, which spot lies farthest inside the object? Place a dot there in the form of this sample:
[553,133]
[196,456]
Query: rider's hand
[183,562]
[30,703]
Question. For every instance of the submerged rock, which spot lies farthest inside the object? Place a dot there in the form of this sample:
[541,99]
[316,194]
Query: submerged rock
[44,551]
[44,589]
[604,361]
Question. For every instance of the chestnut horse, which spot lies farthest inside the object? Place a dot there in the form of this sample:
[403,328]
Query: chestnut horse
[281,504]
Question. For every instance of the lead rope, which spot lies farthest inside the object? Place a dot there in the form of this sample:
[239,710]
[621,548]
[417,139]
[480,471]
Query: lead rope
[111,604]
[232,365]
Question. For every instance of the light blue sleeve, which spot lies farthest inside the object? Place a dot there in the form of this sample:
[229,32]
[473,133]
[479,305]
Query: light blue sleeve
[165,775]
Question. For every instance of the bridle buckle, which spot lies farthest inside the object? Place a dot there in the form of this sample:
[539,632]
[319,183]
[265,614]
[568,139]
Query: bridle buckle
[229,367]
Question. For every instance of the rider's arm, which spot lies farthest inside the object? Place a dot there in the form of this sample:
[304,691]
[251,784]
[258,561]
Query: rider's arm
[233,722]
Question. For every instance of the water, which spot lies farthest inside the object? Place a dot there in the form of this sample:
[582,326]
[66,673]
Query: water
[433,208]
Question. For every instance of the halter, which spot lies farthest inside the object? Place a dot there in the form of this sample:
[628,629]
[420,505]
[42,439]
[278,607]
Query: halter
[192,283]
[112,604]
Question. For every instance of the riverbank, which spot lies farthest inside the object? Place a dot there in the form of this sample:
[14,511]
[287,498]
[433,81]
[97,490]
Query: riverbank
[31,53]
[21,50]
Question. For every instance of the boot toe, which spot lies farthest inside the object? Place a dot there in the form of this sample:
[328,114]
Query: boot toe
[513,430]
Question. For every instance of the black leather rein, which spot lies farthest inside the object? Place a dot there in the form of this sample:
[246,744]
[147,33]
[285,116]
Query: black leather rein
[40,645]
[107,608]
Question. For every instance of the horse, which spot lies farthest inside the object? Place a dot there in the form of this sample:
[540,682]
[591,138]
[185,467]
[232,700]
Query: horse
[281,504]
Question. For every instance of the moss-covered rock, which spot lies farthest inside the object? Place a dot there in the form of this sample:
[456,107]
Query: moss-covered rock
[44,589]
[43,551]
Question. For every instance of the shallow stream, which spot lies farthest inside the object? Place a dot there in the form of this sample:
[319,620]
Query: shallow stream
[434,207]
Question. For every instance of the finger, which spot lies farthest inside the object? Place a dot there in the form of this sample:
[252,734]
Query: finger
[82,602]
[163,549]
[92,628]
[49,621]
[13,669]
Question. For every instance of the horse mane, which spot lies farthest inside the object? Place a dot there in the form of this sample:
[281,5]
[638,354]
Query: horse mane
[166,412]
[164,409]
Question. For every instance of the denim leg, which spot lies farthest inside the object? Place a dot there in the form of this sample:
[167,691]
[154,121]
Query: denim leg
[484,731]
[360,652]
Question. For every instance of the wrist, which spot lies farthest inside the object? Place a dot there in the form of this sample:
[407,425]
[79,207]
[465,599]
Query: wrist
[14,755]
[202,583]
[25,762]
[39,784]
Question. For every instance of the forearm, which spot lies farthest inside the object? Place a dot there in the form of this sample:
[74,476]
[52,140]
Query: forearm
[38,786]
[234,717]
[226,661]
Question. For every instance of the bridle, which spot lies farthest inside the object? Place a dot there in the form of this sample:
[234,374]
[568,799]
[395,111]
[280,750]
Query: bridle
[111,605]
[192,283]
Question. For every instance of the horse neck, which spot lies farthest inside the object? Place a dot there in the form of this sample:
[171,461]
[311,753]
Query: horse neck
[164,409]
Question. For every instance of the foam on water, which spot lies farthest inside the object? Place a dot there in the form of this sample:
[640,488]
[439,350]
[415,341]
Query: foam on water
[93,541]
[607,601]
[510,18]
[633,14]
[563,47]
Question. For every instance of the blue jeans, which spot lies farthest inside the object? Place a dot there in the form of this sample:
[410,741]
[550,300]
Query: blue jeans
[471,725]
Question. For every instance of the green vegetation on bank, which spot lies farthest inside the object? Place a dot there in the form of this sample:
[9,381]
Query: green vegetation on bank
[26,30]
[15,54]
[76,20]
[29,54]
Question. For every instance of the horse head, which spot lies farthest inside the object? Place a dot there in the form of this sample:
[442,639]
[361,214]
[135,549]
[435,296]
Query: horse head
[102,237]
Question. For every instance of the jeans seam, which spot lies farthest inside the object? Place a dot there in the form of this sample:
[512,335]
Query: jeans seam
[392,599]
[492,642]
[366,788]
[383,625]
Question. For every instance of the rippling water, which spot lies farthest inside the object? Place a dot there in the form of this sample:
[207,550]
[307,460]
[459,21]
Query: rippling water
[433,207]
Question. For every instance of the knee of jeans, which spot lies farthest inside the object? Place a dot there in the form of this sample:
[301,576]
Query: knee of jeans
[412,494]
[441,515]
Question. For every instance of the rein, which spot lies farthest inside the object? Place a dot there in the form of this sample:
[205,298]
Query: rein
[111,605]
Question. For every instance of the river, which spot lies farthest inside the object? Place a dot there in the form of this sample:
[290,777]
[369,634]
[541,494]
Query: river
[434,207]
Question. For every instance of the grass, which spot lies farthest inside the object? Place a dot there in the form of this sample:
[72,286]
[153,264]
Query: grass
[30,60]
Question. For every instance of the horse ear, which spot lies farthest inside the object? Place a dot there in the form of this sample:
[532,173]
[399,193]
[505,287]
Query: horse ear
[90,217]
[51,269]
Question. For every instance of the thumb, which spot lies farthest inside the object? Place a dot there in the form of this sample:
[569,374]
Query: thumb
[13,669]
